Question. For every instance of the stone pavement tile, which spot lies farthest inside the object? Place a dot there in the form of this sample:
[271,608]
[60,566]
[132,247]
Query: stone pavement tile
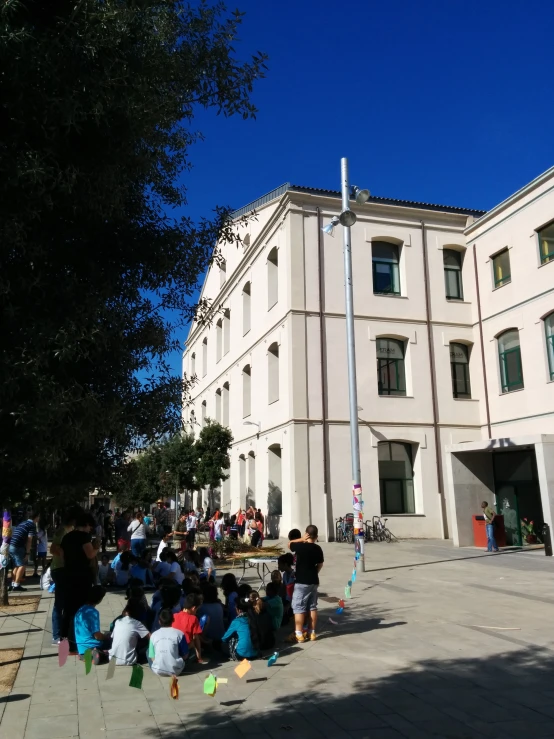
[146,733]
[406,728]
[124,720]
[55,707]
[376,734]
[448,729]
[135,705]
[58,727]
[526,728]
[164,706]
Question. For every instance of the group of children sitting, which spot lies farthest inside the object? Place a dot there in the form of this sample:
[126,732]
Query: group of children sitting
[186,617]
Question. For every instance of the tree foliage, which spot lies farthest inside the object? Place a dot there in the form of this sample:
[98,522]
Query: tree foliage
[97,105]
[178,463]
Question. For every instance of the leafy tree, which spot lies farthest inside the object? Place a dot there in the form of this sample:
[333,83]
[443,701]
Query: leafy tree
[97,116]
[213,447]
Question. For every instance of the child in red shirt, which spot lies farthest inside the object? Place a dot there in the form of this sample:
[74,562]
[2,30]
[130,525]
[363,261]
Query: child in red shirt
[188,623]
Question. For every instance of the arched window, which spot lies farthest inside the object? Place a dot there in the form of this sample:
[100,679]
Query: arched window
[193,364]
[459,366]
[452,260]
[396,477]
[218,405]
[203,411]
[225,404]
[273,373]
[251,489]
[219,340]
[226,331]
[205,357]
[509,354]
[272,278]
[391,374]
[246,391]
[222,272]
[246,309]
[386,275]
[274,492]
[549,329]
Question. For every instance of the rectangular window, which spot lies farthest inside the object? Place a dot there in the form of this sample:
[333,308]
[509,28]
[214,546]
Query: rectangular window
[453,274]
[501,268]
[546,243]
[386,277]
[391,376]
[459,366]
[396,477]
[512,374]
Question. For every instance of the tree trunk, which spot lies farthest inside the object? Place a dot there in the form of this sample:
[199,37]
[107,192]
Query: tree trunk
[4,586]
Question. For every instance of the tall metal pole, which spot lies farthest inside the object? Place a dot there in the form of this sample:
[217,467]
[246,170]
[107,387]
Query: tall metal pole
[352,382]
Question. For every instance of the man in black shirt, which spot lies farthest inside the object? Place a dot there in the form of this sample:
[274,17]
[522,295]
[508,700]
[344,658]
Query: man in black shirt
[309,561]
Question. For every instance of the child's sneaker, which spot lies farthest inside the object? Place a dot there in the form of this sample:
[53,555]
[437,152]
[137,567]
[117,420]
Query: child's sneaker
[294,638]
[313,636]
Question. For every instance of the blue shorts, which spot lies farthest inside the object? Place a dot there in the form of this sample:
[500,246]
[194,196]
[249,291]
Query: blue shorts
[18,555]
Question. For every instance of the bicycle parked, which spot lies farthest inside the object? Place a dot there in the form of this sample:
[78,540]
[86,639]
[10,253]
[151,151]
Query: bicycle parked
[345,530]
[377,530]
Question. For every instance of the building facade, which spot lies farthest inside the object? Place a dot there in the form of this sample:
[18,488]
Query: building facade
[272,364]
[513,462]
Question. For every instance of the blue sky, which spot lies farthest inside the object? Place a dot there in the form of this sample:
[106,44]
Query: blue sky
[440,101]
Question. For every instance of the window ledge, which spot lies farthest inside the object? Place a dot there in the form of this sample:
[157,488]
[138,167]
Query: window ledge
[511,392]
[460,301]
[390,295]
[466,400]
[395,397]
[402,515]
[499,287]
[545,264]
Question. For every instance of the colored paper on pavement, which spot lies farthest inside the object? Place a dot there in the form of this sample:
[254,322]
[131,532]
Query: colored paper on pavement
[88,661]
[173,688]
[272,660]
[136,677]
[111,669]
[63,652]
[242,668]
[347,592]
[221,680]
[210,685]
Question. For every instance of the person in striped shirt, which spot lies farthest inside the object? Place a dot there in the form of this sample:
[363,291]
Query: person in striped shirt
[20,546]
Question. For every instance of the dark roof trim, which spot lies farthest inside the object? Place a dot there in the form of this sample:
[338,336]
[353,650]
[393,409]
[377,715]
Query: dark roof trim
[279,191]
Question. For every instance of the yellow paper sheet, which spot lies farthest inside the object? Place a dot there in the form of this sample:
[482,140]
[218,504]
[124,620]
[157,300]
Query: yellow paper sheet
[222,681]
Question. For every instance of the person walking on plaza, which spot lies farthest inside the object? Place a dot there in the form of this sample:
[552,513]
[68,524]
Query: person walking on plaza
[309,561]
[180,531]
[192,525]
[489,515]
[138,535]
[20,547]
[57,570]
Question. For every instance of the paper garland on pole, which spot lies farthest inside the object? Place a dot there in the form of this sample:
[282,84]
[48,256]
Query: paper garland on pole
[88,661]
[210,685]
[111,669]
[273,659]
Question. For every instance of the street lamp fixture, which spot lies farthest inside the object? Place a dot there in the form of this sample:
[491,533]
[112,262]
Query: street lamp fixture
[360,196]
[253,423]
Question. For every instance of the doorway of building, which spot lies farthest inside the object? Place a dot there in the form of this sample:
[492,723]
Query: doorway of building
[518,496]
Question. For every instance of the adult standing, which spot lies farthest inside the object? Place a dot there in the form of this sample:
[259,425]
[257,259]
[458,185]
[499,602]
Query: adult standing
[489,515]
[192,522]
[20,547]
[79,554]
[180,530]
[58,574]
[121,535]
[160,518]
[309,561]
[138,535]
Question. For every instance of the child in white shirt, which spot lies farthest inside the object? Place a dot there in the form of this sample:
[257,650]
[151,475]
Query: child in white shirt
[128,631]
[168,647]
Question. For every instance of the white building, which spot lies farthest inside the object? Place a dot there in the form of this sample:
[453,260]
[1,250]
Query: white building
[513,460]
[446,420]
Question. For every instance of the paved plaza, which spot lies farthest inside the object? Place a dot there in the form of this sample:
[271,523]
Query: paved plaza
[435,642]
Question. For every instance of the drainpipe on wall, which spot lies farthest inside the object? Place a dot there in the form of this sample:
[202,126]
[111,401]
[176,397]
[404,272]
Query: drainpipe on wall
[478,295]
[323,364]
[433,378]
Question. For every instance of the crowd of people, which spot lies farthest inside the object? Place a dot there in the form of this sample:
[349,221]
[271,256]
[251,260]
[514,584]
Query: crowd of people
[190,614]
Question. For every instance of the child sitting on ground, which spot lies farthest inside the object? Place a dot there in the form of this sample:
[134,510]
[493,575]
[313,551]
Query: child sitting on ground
[241,637]
[140,570]
[190,561]
[212,608]
[168,647]
[123,548]
[285,563]
[175,571]
[122,569]
[170,598]
[187,621]
[274,604]
[230,591]
[105,572]
[260,620]
[129,636]
[208,567]
[164,543]
[87,623]
[162,567]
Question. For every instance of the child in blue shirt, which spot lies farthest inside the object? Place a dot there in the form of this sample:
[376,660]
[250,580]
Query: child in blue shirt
[87,624]
[241,635]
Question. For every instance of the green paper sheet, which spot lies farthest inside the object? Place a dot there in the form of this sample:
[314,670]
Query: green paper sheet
[88,661]
[136,677]
[210,685]
[151,650]
[111,669]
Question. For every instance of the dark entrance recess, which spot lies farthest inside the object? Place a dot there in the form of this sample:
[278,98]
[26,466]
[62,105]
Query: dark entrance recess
[518,496]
